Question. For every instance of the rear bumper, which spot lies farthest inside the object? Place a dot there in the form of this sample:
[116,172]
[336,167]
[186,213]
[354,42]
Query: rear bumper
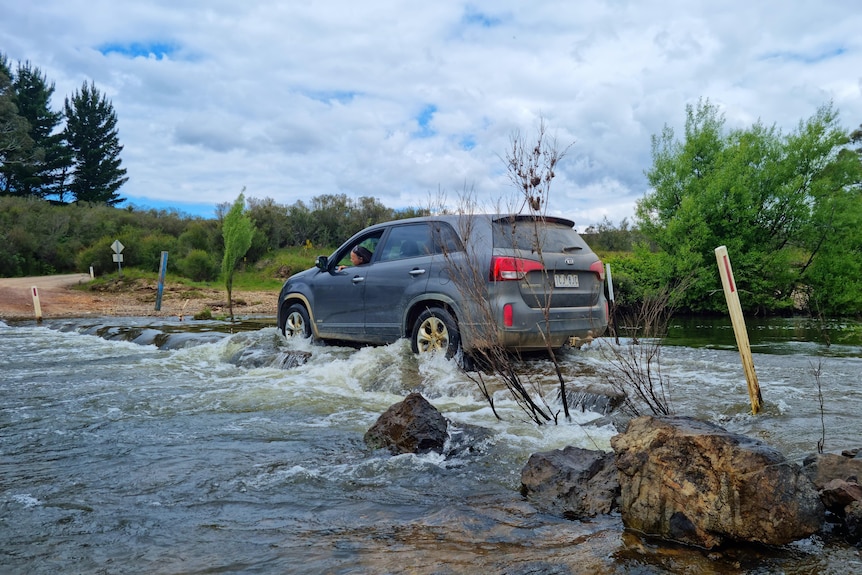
[531,330]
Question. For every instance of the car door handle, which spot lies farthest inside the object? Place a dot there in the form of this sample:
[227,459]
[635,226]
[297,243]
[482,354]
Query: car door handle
[358,279]
[417,272]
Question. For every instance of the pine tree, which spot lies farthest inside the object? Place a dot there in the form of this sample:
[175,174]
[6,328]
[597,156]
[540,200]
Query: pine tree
[16,146]
[43,174]
[91,133]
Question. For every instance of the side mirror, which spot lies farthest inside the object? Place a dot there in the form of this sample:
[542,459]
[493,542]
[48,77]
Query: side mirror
[322,263]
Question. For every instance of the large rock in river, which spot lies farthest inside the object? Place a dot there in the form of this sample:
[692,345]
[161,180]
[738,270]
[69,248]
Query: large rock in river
[410,426]
[694,482]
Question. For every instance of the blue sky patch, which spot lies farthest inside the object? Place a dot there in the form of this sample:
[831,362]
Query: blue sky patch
[807,58]
[467,143]
[206,210]
[474,17]
[159,50]
[328,97]
[424,120]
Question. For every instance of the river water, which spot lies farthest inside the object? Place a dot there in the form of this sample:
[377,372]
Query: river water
[191,449]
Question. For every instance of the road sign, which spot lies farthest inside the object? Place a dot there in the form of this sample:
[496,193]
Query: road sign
[118,256]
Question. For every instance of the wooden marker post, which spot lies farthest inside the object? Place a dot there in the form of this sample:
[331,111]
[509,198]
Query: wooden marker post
[37,306]
[730,293]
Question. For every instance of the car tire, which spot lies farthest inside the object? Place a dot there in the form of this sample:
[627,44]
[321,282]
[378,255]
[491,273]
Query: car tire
[296,322]
[435,329]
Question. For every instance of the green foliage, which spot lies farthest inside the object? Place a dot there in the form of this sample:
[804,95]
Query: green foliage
[204,314]
[605,237]
[16,145]
[91,132]
[40,171]
[763,195]
[238,230]
[147,250]
[199,266]
[97,255]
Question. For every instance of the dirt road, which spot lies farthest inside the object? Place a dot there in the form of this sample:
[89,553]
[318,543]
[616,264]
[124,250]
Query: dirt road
[59,297]
[45,282]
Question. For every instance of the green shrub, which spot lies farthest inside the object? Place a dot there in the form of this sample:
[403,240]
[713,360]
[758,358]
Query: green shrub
[199,266]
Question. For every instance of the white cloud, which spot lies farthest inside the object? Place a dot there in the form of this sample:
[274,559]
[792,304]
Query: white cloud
[399,100]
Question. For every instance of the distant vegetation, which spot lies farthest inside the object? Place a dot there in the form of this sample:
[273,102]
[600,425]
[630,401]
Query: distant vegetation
[38,237]
[787,206]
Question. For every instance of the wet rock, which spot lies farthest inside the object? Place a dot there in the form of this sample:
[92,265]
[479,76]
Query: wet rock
[293,359]
[598,398]
[823,468]
[467,439]
[837,477]
[619,421]
[853,522]
[693,482]
[410,426]
[573,482]
[838,494]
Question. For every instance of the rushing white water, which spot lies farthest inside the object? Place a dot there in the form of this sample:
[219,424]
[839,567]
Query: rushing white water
[193,451]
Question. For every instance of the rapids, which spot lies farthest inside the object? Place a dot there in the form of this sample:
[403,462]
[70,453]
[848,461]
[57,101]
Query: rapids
[170,447]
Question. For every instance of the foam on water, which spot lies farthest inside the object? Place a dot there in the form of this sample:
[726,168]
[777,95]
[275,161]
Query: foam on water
[112,447]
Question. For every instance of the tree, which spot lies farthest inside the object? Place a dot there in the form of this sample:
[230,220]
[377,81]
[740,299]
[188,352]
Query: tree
[91,132]
[771,199]
[43,173]
[15,143]
[237,230]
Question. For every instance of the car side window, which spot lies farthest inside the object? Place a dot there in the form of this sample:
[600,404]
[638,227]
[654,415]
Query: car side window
[407,241]
[444,239]
[369,242]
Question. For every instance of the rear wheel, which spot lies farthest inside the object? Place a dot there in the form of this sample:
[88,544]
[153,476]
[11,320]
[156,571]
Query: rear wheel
[296,323]
[435,329]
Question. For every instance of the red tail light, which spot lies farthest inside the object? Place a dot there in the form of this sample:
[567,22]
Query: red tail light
[598,268]
[508,315]
[508,268]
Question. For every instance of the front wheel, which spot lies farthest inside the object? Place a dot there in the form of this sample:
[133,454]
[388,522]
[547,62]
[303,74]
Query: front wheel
[297,324]
[435,329]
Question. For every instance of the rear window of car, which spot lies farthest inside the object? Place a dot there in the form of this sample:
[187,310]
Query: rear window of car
[528,234]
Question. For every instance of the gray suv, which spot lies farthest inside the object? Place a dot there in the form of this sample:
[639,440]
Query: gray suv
[446,282]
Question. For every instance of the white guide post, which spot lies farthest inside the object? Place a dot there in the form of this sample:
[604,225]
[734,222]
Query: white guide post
[37,306]
[732,296]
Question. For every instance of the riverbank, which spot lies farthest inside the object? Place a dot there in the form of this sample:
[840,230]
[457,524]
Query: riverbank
[69,296]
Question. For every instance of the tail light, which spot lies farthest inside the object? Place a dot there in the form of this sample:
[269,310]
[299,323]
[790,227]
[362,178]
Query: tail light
[598,268]
[508,268]
[508,315]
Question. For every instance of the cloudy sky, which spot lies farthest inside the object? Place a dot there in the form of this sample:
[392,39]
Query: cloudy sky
[408,101]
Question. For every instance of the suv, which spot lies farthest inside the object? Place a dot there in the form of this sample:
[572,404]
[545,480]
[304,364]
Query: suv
[446,282]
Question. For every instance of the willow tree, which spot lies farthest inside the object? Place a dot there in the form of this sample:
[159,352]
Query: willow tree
[237,230]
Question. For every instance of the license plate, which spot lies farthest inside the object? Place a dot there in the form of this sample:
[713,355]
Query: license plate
[566,280]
